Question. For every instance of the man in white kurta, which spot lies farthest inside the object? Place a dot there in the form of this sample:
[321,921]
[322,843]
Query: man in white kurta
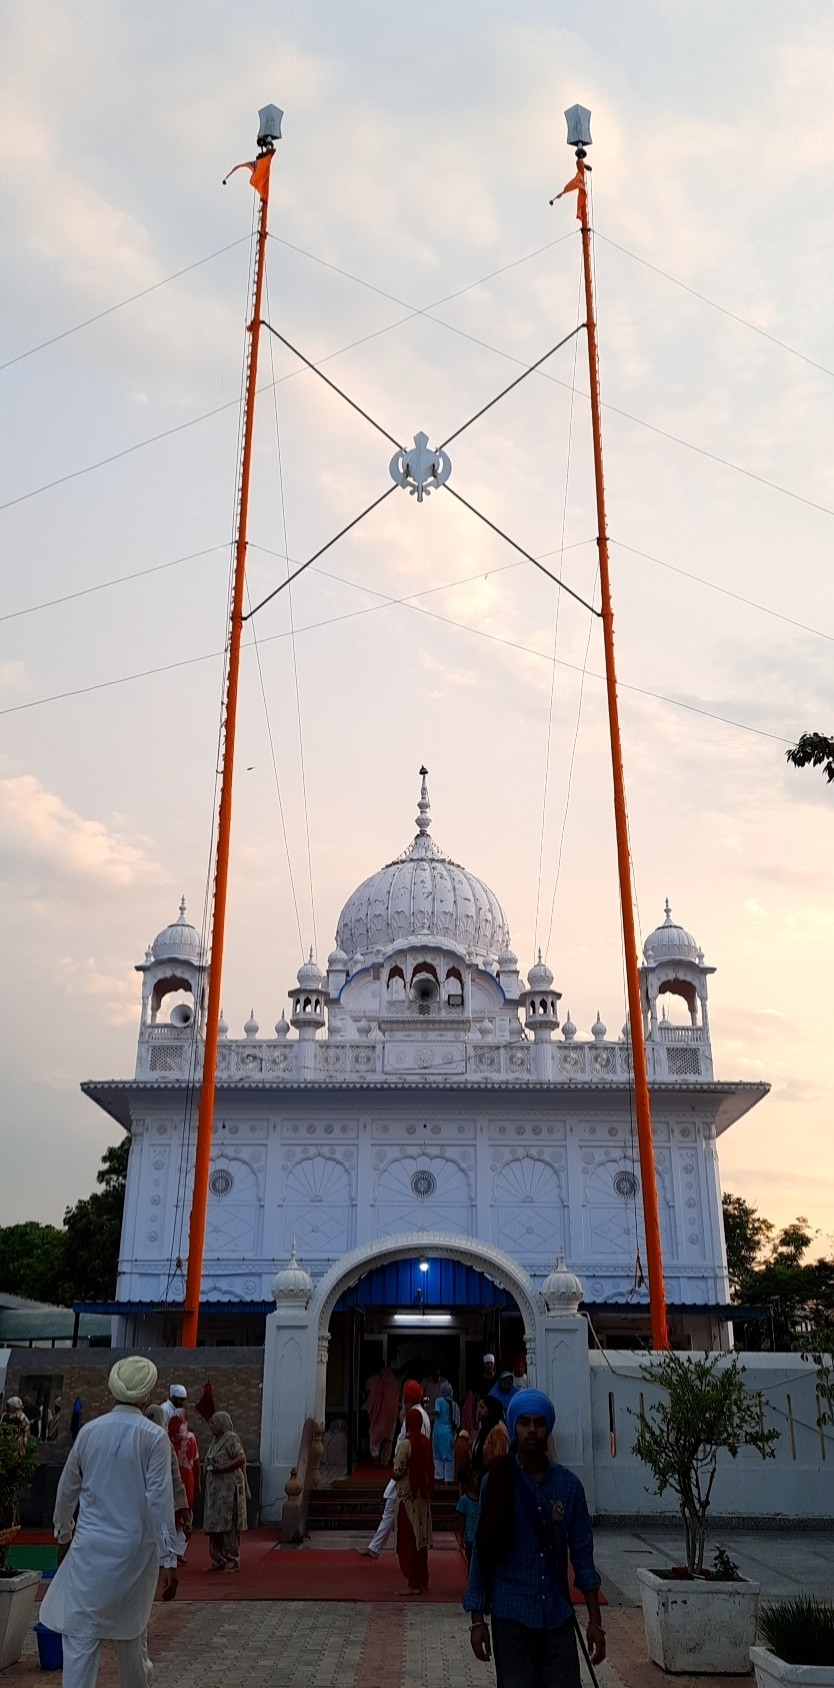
[118,1475]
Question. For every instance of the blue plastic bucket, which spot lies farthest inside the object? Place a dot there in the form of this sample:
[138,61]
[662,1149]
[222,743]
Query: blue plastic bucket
[50,1648]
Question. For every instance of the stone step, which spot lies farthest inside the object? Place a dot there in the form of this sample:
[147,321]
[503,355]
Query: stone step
[356,1506]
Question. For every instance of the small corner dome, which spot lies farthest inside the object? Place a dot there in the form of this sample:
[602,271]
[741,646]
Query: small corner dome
[508,961]
[337,961]
[540,977]
[309,974]
[671,942]
[562,1290]
[178,942]
[292,1283]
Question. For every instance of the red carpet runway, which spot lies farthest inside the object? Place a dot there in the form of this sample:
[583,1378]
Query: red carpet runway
[269,1572]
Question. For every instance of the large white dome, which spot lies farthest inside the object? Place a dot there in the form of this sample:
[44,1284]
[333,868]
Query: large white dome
[423,895]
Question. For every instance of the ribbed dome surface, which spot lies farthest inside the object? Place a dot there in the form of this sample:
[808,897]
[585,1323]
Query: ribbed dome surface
[671,942]
[423,895]
[181,940]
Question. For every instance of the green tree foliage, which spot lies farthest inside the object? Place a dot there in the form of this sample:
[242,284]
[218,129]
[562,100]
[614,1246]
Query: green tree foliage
[746,1235]
[814,750]
[80,1262]
[768,1269]
[708,1410]
[93,1229]
[32,1260]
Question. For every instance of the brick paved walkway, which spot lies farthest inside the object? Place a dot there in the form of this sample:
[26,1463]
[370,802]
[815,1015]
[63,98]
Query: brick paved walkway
[403,1644]
[341,1645]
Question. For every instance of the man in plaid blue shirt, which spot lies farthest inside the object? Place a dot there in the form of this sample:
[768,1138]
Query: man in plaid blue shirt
[532,1515]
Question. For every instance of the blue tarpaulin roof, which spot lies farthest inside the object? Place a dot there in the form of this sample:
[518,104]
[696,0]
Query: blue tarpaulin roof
[447,1283]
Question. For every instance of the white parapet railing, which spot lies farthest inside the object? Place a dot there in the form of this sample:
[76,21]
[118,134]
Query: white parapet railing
[168,1052]
[797,1483]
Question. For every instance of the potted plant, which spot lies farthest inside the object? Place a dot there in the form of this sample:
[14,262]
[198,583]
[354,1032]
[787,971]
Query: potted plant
[798,1649]
[18,1458]
[697,1619]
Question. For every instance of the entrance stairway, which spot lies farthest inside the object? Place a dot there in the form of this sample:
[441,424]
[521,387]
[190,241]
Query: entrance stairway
[355,1505]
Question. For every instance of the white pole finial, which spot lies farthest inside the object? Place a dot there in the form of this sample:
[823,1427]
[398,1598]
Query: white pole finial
[423,821]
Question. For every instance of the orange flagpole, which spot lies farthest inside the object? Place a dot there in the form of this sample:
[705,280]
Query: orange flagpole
[261,171]
[643,1107]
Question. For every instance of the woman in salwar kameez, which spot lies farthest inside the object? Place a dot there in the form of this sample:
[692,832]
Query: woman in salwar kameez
[414,1477]
[226,1489]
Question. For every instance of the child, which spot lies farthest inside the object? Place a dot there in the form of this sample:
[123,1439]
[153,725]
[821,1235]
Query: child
[468,1508]
[462,1451]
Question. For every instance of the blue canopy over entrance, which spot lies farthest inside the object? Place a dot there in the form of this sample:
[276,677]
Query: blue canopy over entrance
[447,1283]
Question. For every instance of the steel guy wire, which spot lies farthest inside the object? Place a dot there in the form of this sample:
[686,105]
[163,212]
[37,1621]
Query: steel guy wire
[545,784]
[293,650]
[405,603]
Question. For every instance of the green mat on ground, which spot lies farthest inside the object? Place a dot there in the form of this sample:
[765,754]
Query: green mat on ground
[35,1558]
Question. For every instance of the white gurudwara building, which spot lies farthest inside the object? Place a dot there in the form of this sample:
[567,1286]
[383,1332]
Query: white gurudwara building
[421,1140]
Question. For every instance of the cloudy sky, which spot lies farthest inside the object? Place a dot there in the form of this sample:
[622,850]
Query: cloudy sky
[414,254]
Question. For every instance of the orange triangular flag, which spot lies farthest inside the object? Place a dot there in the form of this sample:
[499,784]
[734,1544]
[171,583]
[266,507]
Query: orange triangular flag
[260,174]
[576,185]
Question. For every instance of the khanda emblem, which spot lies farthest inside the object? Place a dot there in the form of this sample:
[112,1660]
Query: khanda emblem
[559,1511]
[420,470]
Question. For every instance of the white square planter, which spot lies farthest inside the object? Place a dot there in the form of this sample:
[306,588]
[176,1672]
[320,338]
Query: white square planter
[699,1625]
[17,1600]
[773,1672]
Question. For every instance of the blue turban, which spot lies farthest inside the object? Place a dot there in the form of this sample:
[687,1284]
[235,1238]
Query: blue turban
[532,1403]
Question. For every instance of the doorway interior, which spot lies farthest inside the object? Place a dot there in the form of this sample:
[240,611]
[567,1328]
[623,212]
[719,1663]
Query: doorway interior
[419,1316]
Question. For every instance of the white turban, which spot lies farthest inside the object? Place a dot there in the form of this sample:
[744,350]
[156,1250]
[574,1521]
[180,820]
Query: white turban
[132,1380]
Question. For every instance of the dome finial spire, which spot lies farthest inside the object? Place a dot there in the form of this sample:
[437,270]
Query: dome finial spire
[182,908]
[423,821]
[667,910]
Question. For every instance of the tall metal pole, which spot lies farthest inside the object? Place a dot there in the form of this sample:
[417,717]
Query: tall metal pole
[260,178]
[643,1107]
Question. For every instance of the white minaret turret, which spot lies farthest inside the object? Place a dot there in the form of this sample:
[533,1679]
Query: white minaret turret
[674,966]
[308,1001]
[173,966]
[540,1002]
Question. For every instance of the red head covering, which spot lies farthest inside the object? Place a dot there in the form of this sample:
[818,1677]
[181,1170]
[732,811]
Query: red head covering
[421,1464]
[177,1427]
[412,1393]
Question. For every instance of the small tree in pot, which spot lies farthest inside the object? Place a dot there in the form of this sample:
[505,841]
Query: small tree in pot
[708,1410]
[18,1459]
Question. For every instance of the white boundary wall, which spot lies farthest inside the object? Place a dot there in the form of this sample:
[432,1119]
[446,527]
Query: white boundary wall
[797,1483]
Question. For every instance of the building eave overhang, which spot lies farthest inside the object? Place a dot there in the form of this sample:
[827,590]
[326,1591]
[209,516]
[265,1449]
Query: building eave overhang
[114,1096]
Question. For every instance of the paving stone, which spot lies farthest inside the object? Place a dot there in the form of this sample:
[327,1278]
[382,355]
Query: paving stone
[414,1644]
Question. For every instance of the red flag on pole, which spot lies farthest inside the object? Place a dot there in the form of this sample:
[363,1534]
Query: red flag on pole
[205,1405]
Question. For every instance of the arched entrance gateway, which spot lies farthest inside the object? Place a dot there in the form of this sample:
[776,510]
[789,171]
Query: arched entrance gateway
[299,1334]
[416,1303]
